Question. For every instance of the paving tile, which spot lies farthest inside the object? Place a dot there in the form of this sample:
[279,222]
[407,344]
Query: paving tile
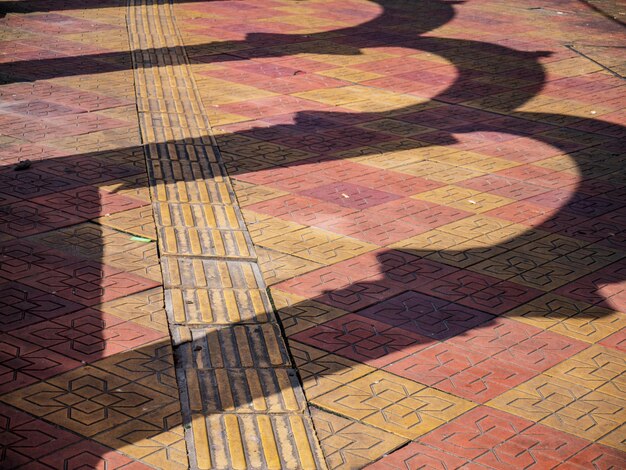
[500,440]
[277,266]
[26,439]
[87,335]
[298,313]
[87,400]
[349,444]
[147,308]
[20,259]
[137,221]
[157,439]
[317,245]
[88,202]
[101,244]
[563,405]
[426,315]
[569,317]
[460,372]
[393,404]
[203,291]
[350,195]
[523,345]
[90,453]
[416,454]
[24,363]
[89,282]
[23,305]
[480,291]
[363,340]
[321,372]
[596,367]
[27,218]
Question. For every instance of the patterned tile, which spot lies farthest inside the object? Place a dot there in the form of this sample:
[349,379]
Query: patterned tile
[87,400]
[22,305]
[89,282]
[321,372]
[26,440]
[563,405]
[500,440]
[363,340]
[393,404]
[87,335]
[348,444]
[569,317]
[467,374]
[88,202]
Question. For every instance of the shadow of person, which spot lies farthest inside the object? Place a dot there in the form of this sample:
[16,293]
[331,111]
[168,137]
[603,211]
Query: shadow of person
[56,326]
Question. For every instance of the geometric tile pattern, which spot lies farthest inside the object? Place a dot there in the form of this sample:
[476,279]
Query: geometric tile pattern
[86,364]
[348,444]
[433,192]
[435,197]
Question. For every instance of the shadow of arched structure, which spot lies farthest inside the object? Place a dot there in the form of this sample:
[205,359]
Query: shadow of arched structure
[425,291]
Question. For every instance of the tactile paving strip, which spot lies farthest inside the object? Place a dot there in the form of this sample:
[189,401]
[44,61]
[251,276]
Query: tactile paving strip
[244,407]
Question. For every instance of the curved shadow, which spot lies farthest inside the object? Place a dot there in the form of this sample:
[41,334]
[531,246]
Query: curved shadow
[426,292]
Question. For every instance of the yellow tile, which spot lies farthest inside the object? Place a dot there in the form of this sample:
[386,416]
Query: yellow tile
[349,75]
[565,406]
[393,404]
[248,193]
[596,368]
[321,372]
[348,444]
[277,267]
[571,318]
[317,245]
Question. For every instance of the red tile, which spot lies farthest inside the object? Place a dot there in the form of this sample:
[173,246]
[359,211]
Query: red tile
[35,181]
[19,259]
[595,456]
[23,363]
[300,209]
[88,335]
[500,440]
[350,195]
[425,315]
[89,283]
[89,202]
[479,291]
[418,456]
[26,439]
[21,305]
[363,340]
[513,342]
[462,372]
[606,287]
[395,183]
[28,218]
[418,213]
[89,454]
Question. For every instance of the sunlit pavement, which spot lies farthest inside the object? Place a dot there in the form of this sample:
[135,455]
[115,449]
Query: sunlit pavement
[432,191]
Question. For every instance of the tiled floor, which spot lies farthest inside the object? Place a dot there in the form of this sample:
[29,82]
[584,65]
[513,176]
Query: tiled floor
[434,191]
[86,367]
